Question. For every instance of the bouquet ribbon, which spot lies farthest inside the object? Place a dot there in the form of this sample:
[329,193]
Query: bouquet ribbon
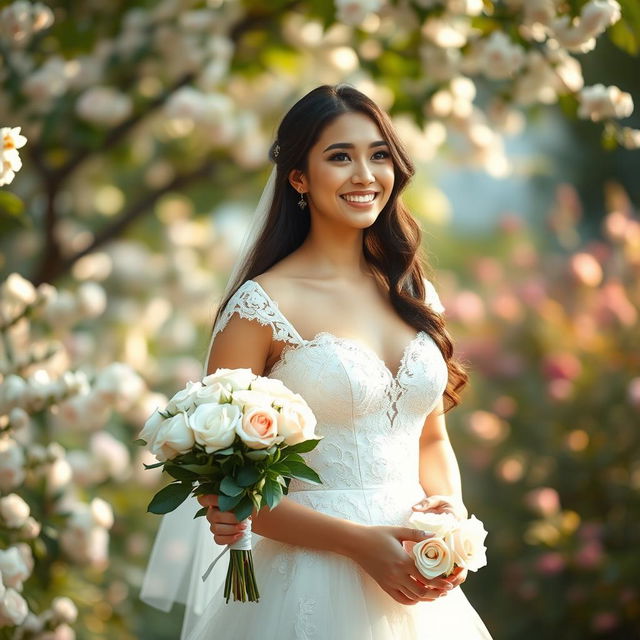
[243,544]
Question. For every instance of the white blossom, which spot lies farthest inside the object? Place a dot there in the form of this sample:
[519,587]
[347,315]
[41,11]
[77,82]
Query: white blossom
[10,162]
[598,102]
[354,12]
[14,567]
[13,609]
[14,511]
[12,461]
[110,456]
[20,20]
[64,610]
[46,83]
[579,35]
[104,106]
[92,299]
[500,57]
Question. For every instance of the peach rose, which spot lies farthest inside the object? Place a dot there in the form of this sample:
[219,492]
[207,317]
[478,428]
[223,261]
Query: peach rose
[259,427]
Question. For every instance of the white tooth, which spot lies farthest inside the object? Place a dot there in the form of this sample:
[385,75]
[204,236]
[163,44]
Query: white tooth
[367,198]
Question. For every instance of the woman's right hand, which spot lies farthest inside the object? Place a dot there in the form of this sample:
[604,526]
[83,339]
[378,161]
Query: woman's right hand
[226,528]
[381,554]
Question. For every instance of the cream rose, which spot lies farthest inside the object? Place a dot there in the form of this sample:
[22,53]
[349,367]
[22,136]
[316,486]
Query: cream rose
[468,544]
[173,437]
[185,399]
[296,422]
[232,379]
[258,428]
[214,425]
[438,524]
[433,557]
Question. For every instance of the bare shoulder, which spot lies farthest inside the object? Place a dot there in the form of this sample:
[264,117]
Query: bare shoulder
[282,282]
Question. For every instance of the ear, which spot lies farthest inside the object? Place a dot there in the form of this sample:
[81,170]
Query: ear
[298,180]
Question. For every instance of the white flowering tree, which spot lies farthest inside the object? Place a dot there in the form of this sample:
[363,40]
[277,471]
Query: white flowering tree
[118,125]
[123,107]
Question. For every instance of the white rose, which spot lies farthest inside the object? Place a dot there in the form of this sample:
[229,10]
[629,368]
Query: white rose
[468,544]
[247,399]
[185,399]
[151,427]
[438,524]
[173,438]
[11,464]
[232,379]
[258,428]
[296,422]
[214,392]
[64,609]
[13,567]
[274,388]
[433,556]
[14,511]
[214,425]
[13,609]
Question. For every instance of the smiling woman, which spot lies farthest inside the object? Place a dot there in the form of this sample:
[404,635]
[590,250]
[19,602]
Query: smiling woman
[337,258]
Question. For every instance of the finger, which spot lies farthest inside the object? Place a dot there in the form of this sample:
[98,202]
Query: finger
[225,529]
[227,517]
[208,500]
[225,539]
[401,597]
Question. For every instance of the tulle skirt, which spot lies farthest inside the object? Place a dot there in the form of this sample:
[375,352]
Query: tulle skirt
[317,595]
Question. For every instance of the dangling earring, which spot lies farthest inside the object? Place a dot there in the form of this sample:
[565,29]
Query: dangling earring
[302,203]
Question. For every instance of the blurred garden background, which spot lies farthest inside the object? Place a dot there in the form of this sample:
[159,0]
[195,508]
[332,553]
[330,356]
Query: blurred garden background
[134,148]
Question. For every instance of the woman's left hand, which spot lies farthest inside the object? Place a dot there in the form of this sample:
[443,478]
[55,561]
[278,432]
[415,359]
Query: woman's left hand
[442,504]
[458,576]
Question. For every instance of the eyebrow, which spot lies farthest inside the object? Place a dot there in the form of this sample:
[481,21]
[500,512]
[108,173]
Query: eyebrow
[349,145]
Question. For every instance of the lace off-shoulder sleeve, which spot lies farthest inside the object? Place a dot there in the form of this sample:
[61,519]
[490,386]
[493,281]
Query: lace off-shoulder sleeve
[432,298]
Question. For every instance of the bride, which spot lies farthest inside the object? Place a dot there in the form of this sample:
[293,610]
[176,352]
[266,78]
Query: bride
[329,295]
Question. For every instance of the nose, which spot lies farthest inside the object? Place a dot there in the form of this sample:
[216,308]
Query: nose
[362,174]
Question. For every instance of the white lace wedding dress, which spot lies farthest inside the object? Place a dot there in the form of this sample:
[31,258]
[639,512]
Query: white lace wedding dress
[368,460]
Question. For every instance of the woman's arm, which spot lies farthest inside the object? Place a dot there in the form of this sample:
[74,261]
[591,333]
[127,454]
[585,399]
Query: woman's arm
[438,469]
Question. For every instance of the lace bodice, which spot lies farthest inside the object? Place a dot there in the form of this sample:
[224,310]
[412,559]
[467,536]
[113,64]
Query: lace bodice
[370,419]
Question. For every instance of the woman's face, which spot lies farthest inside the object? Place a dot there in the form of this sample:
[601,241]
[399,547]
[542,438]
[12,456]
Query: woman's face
[350,173]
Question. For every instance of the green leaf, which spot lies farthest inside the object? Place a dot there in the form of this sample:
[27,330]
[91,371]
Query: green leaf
[227,503]
[180,473]
[206,488]
[258,454]
[153,466]
[229,487]
[294,457]
[225,452]
[140,441]
[303,472]
[244,508]
[302,447]
[201,512]
[169,498]
[200,469]
[256,498]
[272,492]
[247,476]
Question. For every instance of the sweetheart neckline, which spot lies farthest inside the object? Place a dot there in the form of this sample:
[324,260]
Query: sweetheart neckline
[357,343]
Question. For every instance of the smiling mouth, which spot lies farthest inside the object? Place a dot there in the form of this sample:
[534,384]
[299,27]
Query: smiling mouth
[364,199]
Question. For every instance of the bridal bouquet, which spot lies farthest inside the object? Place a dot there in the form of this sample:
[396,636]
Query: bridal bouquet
[238,435]
[453,543]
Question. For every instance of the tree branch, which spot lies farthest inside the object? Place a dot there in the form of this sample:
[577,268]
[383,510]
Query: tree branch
[52,266]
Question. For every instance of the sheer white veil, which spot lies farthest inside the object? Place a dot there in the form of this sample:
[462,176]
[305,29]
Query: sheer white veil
[184,547]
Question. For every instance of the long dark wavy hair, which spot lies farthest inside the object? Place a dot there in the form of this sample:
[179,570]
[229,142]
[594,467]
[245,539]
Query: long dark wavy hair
[391,245]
